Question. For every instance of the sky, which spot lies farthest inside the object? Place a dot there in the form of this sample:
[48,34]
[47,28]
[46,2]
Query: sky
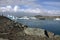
[45,7]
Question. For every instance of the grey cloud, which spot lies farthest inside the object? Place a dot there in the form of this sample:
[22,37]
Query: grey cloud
[30,3]
[14,2]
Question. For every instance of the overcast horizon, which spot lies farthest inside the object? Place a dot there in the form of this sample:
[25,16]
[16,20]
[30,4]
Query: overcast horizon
[33,7]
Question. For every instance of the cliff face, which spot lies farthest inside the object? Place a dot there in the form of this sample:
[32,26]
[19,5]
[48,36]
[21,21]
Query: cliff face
[11,30]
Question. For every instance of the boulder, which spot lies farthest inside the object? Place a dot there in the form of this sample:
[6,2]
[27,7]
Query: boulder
[3,39]
[35,31]
[50,34]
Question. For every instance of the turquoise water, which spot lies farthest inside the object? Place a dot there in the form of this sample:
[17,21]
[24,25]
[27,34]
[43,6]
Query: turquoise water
[50,25]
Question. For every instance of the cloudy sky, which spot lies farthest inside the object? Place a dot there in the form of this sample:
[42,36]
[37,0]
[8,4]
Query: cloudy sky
[45,7]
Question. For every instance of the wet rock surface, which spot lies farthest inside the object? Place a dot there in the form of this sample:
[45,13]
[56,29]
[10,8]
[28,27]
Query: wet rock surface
[11,30]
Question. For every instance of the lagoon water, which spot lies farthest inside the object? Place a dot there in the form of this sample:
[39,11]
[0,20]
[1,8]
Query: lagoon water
[50,25]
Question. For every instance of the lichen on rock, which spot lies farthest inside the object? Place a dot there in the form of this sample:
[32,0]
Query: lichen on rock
[35,31]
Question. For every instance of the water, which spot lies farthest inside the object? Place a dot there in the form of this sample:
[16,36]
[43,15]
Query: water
[50,25]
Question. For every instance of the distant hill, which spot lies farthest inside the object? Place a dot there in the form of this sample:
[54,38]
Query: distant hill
[40,16]
[46,17]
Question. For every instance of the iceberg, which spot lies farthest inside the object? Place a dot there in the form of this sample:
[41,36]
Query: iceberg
[24,17]
[32,17]
[57,19]
[12,17]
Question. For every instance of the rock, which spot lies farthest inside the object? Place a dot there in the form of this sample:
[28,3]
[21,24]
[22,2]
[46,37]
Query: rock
[35,31]
[8,27]
[56,36]
[3,39]
[50,34]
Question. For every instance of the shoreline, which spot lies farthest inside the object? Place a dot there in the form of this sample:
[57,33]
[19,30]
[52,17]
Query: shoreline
[12,30]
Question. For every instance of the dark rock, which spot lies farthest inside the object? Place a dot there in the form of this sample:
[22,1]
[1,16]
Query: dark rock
[8,27]
[46,33]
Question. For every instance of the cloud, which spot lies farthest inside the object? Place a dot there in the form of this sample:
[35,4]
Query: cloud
[16,8]
[26,3]
[42,11]
[33,7]
[19,2]
[52,12]
[29,10]
[2,9]
[52,3]
[7,8]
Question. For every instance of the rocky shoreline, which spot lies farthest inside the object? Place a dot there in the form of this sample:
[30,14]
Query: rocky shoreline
[11,30]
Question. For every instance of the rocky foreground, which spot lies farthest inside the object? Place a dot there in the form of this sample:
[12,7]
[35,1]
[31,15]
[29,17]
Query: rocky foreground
[11,30]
